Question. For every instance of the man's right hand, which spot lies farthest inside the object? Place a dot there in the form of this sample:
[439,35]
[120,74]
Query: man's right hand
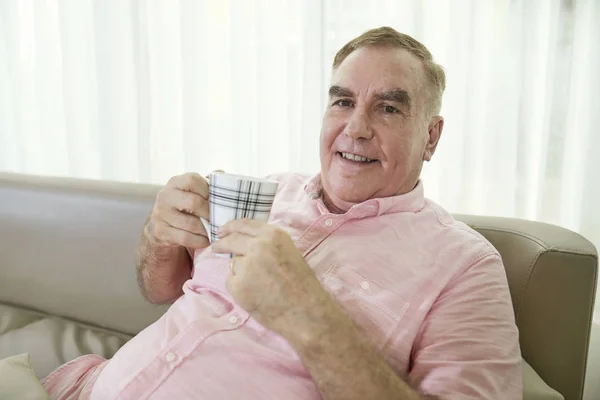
[175,218]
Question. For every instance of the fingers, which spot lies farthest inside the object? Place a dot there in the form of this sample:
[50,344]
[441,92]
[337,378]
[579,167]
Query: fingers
[178,209]
[235,243]
[188,202]
[216,170]
[169,234]
[190,182]
[232,285]
[238,271]
[245,226]
[186,222]
[232,265]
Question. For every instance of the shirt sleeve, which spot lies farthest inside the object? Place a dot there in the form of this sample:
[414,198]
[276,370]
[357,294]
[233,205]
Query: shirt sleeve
[468,345]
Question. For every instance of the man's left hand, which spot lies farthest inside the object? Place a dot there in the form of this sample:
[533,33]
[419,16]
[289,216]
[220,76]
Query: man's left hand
[270,278]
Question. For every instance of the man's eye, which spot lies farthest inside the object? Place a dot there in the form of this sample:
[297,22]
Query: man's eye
[343,103]
[390,109]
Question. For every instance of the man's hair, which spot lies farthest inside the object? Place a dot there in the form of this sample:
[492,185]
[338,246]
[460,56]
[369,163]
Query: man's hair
[386,36]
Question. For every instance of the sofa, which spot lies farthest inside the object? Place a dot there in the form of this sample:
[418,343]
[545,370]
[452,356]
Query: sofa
[68,284]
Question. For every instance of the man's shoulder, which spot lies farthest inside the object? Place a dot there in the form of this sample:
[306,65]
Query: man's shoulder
[458,234]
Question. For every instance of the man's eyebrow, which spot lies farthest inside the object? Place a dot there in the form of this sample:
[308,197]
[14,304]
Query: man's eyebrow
[338,91]
[397,95]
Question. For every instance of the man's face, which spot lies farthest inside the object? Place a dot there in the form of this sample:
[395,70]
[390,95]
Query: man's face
[375,133]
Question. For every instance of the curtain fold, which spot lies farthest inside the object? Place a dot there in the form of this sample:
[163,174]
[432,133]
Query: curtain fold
[141,90]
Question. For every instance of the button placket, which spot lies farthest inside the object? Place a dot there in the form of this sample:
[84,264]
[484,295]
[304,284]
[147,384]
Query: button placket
[171,357]
[317,232]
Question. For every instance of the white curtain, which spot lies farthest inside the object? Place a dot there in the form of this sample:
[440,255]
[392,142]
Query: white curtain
[142,90]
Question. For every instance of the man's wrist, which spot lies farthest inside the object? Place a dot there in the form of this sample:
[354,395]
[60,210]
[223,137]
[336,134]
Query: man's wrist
[150,238]
[317,322]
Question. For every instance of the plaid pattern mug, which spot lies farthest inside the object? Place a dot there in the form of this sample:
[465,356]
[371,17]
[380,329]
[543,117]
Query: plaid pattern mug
[235,197]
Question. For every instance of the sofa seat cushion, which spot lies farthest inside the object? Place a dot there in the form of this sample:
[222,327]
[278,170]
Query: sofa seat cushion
[534,387]
[52,341]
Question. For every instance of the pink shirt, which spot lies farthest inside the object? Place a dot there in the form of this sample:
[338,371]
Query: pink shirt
[430,292]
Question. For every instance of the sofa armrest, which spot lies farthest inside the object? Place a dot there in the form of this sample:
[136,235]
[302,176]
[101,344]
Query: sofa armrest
[552,274]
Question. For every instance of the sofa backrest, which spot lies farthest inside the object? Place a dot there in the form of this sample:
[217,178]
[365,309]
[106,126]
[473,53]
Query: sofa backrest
[67,248]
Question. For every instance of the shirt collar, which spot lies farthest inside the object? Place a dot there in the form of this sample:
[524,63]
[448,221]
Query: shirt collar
[412,201]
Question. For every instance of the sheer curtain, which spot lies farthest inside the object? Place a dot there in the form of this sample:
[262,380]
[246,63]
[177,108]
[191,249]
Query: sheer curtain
[142,90]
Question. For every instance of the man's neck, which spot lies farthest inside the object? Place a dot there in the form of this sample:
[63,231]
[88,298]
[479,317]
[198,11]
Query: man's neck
[330,206]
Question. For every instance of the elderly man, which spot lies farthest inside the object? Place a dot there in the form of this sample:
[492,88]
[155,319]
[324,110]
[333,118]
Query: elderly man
[357,288]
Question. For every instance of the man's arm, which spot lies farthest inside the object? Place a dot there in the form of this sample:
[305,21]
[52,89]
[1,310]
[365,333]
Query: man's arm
[343,362]
[467,348]
[173,227]
[161,270]
[337,354]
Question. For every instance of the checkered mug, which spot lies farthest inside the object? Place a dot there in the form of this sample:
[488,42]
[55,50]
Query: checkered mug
[235,197]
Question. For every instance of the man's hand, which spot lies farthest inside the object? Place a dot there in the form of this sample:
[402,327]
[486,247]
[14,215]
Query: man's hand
[273,283]
[271,280]
[173,227]
[175,219]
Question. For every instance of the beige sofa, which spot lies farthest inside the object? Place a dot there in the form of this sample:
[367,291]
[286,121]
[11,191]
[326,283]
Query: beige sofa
[68,285]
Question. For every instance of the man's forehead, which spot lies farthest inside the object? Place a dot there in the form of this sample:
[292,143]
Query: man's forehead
[378,69]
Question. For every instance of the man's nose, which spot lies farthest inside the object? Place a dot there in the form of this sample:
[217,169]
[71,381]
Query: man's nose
[359,126]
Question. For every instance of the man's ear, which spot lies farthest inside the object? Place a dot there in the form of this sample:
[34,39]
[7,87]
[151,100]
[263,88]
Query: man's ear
[435,131]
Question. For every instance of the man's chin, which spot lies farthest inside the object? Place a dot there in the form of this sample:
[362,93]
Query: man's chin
[349,195]
[348,188]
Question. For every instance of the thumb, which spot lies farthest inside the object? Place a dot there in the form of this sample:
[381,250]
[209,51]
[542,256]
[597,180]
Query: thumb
[232,286]
[216,170]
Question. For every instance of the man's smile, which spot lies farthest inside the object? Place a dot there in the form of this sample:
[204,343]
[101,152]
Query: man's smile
[354,158]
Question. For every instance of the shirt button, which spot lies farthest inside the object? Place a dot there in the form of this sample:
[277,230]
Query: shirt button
[233,319]
[365,285]
[170,357]
[328,222]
